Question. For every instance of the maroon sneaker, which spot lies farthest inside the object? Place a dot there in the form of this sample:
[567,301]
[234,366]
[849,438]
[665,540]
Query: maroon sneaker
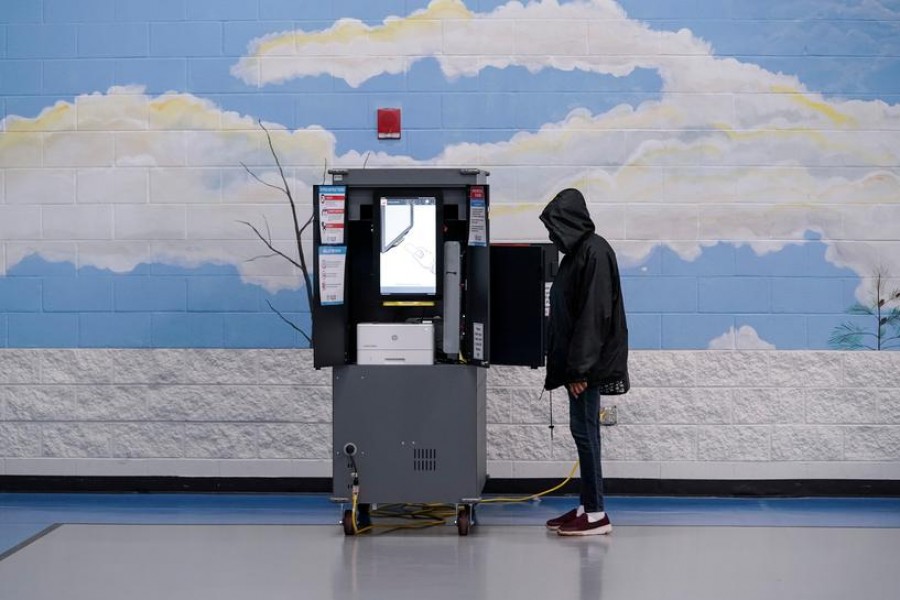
[556,523]
[581,526]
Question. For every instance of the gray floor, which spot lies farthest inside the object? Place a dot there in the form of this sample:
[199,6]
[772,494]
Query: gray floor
[261,562]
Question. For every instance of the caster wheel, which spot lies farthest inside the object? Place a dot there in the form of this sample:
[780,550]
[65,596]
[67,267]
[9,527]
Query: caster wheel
[464,520]
[347,522]
[363,519]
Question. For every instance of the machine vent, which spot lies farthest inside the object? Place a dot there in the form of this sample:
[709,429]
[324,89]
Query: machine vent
[424,459]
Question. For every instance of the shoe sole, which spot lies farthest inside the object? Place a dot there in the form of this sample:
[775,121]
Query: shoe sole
[596,531]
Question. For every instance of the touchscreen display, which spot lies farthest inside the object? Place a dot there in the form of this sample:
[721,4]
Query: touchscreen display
[408,246]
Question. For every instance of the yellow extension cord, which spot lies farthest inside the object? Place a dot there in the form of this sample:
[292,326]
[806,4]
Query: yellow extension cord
[539,494]
[433,514]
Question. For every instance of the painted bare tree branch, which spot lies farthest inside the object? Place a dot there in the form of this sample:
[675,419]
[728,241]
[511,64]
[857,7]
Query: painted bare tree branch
[285,189]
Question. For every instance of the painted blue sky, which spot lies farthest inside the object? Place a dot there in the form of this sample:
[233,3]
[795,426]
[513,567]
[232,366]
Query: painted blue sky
[792,299]
[55,305]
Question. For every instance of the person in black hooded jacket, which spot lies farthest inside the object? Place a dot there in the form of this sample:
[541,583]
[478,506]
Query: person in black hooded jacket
[588,345]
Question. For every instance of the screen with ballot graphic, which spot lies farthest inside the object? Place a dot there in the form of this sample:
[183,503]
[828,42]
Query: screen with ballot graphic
[408,242]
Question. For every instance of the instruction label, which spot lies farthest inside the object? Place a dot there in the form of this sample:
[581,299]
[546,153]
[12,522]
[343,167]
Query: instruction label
[477,217]
[547,287]
[332,212]
[478,341]
[332,265]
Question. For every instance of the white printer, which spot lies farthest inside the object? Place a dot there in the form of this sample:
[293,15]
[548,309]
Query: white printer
[395,343]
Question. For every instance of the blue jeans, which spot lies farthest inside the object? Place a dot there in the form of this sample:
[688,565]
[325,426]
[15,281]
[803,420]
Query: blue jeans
[584,423]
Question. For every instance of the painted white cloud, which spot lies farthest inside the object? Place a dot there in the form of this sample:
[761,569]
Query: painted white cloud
[743,338]
[153,179]
[594,36]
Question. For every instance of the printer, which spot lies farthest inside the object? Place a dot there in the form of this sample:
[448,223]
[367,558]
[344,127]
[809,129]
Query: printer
[395,343]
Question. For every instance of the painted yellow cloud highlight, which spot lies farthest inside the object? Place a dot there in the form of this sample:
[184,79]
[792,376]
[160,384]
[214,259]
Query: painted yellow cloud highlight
[345,31]
[420,33]
[773,134]
[58,116]
[835,116]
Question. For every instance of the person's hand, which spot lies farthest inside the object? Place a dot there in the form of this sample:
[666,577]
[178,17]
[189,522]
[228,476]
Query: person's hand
[577,388]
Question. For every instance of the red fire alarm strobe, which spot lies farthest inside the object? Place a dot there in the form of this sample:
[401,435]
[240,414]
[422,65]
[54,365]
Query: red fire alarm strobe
[388,123]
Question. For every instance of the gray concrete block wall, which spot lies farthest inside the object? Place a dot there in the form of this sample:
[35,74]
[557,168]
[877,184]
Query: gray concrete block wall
[267,413]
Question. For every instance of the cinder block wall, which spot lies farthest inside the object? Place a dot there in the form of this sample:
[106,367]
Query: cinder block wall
[267,413]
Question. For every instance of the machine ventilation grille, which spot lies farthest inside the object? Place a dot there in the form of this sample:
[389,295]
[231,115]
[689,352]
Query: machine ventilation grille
[424,459]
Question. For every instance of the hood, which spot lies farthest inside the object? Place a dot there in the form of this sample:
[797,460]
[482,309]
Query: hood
[567,220]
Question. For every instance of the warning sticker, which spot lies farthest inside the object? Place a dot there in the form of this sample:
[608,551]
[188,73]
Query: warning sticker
[478,341]
[332,210]
[477,223]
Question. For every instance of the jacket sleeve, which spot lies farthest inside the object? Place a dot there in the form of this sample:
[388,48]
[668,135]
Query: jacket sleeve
[591,321]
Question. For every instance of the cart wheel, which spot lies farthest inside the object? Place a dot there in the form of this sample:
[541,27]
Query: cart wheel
[463,520]
[347,522]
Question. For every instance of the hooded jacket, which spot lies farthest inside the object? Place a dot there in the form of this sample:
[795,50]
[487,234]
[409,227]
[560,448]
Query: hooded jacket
[588,337]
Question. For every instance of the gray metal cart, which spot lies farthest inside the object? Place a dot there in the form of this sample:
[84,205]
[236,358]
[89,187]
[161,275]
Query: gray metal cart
[417,434]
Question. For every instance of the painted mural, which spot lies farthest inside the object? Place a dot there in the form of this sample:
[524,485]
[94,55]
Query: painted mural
[742,158]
